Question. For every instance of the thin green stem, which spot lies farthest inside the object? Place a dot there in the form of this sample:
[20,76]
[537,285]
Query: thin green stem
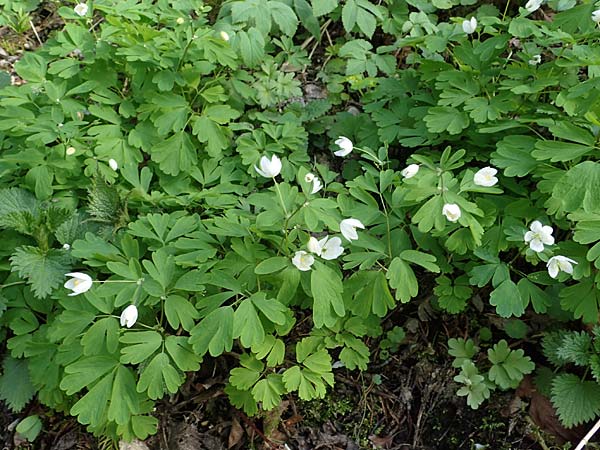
[505,10]
[16,283]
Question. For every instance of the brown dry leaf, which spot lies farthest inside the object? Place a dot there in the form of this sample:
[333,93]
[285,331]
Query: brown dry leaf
[381,442]
[235,434]
[133,445]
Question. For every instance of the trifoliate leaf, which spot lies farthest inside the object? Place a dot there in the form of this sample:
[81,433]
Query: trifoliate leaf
[268,391]
[159,377]
[242,399]
[509,366]
[444,118]
[247,325]
[214,333]
[579,188]
[513,154]
[475,388]
[507,299]
[462,350]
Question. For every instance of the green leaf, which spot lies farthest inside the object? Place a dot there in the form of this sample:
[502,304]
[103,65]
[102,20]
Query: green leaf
[462,350]
[182,353]
[575,348]
[579,188]
[422,259]
[242,399]
[30,427]
[271,265]
[403,279]
[576,401]
[307,17]
[509,366]
[245,377]
[214,334]
[271,308]
[284,17]
[444,118]
[176,154]
[123,400]
[326,288]
[581,298]
[323,7]
[513,154]
[532,293]
[557,151]
[268,391]
[247,325]
[32,67]
[91,408]
[139,346]
[103,334]
[15,385]
[507,300]
[159,377]
[85,371]
[252,46]
[45,271]
[180,311]
[475,387]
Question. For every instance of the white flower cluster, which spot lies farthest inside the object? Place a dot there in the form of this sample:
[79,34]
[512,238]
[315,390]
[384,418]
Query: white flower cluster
[540,235]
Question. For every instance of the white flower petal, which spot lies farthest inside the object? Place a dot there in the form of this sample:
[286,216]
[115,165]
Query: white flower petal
[348,228]
[486,177]
[129,316]
[303,261]
[345,145]
[451,211]
[410,171]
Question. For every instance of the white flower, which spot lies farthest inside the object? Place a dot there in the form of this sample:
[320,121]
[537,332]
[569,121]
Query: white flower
[316,186]
[451,211]
[486,177]
[348,228]
[303,260]
[596,16]
[345,146]
[309,177]
[81,9]
[410,171]
[533,5]
[331,248]
[314,246]
[66,247]
[70,151]
[535,60]
[326,248]
[113,164]
[538,236]
[224,36]
[180,21]
[269,168]
[558,263]
[469,26]
[129,316]
[79,283]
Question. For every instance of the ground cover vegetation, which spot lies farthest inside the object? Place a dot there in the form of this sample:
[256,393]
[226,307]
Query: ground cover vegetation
[270,179]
